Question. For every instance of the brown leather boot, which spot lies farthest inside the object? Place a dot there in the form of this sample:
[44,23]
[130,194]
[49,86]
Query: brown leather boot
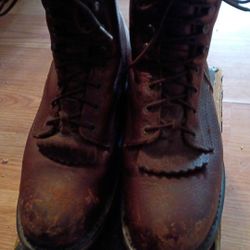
[69,173]
[174,173]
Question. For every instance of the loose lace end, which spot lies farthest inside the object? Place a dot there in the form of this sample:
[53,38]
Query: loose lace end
[107,34]
[6,6]
[239,4]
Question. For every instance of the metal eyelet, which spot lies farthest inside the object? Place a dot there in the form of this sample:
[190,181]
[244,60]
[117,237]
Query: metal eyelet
[205,50]
[97,6]
[151,29]
[146,109]
[145,132]
[211,10]
[206,28]
[145,45]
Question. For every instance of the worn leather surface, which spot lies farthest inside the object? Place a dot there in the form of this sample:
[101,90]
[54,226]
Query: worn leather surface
[111,236]
[172,176]
[69,172]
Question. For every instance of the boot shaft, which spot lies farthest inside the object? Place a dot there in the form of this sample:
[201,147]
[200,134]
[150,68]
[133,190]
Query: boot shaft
[82,33]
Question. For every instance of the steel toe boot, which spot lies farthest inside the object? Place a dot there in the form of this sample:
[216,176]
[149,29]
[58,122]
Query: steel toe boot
[69,172]
[174,173]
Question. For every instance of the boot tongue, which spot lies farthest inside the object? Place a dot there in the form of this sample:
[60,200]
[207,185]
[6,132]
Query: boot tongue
[175,53]
[173,90]
[71,42]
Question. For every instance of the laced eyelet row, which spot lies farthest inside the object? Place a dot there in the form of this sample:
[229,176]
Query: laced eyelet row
[84,22]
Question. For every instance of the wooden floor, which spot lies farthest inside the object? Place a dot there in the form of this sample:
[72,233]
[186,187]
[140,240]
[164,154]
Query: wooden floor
[24,62]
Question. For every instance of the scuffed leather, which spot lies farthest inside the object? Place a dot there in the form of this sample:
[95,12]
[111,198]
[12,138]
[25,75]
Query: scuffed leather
[58,203]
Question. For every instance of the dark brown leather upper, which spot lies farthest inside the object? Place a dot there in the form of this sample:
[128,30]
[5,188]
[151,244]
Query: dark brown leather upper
[173,152]
[68,174]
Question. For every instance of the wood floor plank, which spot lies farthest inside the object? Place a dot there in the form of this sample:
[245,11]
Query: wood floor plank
[236,216]
[230,51]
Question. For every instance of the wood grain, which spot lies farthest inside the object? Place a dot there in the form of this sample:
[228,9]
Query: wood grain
[24,62]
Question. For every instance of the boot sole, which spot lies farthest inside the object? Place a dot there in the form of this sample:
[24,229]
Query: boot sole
[211,237]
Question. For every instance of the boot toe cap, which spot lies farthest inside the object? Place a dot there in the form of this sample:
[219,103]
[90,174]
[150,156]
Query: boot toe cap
[58,223]
[168,214]
[58,211]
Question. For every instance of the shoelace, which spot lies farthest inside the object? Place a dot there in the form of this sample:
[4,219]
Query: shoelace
[238,4]
[188,65]
[6,6]
[173,79]
[76,56]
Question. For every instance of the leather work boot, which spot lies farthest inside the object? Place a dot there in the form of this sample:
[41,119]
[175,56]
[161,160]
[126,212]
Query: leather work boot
[174,172]
[69,172]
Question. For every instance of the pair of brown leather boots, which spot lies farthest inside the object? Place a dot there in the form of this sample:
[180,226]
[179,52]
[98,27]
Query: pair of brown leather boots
[155,132]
